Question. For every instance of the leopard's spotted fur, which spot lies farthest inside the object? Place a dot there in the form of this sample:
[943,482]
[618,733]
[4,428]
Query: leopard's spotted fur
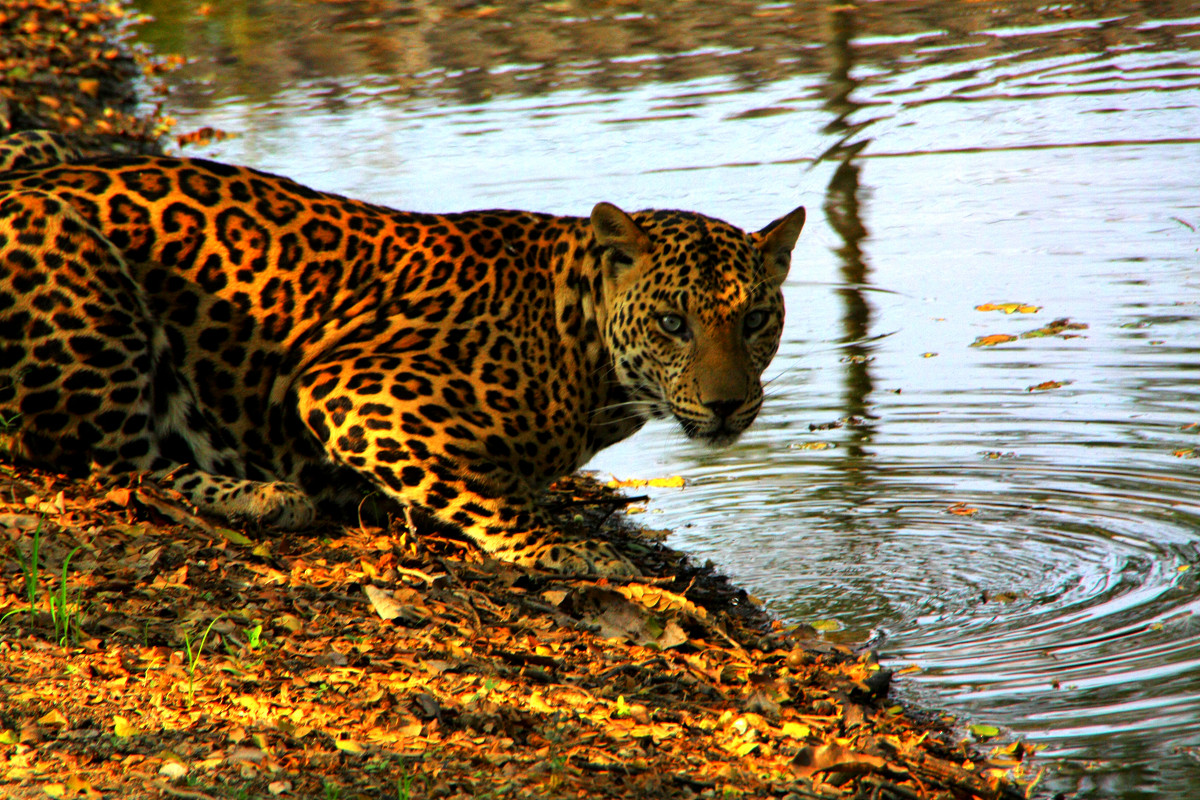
[264,347]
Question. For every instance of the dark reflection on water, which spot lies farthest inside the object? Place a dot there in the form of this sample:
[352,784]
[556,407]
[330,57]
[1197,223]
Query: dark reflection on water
[471,52]
[1020,522]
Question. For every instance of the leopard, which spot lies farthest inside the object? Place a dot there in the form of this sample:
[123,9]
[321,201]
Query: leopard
[275,353]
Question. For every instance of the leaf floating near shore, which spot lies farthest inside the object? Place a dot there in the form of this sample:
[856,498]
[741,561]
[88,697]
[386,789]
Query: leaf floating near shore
[1059,327]
[811,446]
[1009,308]
[1046,385]
[673,482]
[993,340]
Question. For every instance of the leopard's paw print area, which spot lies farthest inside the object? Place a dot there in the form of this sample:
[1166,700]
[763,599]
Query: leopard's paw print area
[268,349]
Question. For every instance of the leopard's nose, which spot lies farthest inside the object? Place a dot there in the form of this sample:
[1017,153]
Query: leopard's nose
[723,409]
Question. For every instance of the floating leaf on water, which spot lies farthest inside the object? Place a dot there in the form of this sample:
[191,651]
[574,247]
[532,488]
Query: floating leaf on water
[1046,386]
[1009,308]
[673,482]
[827,625]
[928,355]
[993,340]
[812,446]
[1058,327]
[962,510]
[1186,452]
[984,731]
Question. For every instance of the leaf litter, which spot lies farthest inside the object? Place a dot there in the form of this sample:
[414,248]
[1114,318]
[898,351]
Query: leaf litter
[362,662]
[362,656]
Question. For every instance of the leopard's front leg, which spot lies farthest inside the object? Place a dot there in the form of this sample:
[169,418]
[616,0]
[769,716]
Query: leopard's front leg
[439,454]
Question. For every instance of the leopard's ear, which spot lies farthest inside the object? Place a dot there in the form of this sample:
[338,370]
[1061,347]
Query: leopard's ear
[777,240]
[615,229]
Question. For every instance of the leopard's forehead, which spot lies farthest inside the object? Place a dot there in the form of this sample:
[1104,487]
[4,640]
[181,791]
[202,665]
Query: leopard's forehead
[708,259]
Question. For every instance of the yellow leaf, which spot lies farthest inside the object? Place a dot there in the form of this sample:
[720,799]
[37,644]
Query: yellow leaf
[9,737]
[962,510]
[826,625]
[78,787]
[55,790]
[124,728]
[349,746]
[674,482]
[795,730]
[1009,308]
[235,536]
[993,340]
[746,748]
[53,717]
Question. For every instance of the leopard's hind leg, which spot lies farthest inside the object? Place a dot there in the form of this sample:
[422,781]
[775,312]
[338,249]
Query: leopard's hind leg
[86,378]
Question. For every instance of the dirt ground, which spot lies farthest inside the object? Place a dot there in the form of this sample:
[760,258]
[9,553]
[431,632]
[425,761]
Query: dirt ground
[147,652]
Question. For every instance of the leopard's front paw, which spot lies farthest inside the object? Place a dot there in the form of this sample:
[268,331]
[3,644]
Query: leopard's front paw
[575,557]
[284,505]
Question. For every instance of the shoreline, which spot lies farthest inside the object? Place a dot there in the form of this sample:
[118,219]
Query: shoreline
[213,661]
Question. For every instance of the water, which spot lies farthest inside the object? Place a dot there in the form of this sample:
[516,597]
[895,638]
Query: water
[1018,521]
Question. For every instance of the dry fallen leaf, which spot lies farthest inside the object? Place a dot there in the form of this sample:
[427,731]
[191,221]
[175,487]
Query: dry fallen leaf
[123,728]
[674,482]
[993,340]
[53,718]
[1009,308]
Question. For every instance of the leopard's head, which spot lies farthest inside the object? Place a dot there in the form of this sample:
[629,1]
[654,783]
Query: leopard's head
[693,312]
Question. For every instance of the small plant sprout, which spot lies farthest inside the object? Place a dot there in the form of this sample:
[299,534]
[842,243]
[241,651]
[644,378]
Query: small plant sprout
[254,637]
[60,609]
[193,656]
[29,570]
[59,603]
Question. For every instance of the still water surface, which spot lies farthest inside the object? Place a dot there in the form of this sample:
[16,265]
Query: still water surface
[1021,521]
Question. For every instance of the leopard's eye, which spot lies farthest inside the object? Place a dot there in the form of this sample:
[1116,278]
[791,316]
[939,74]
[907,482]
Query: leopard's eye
[754,320]
[673,324]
